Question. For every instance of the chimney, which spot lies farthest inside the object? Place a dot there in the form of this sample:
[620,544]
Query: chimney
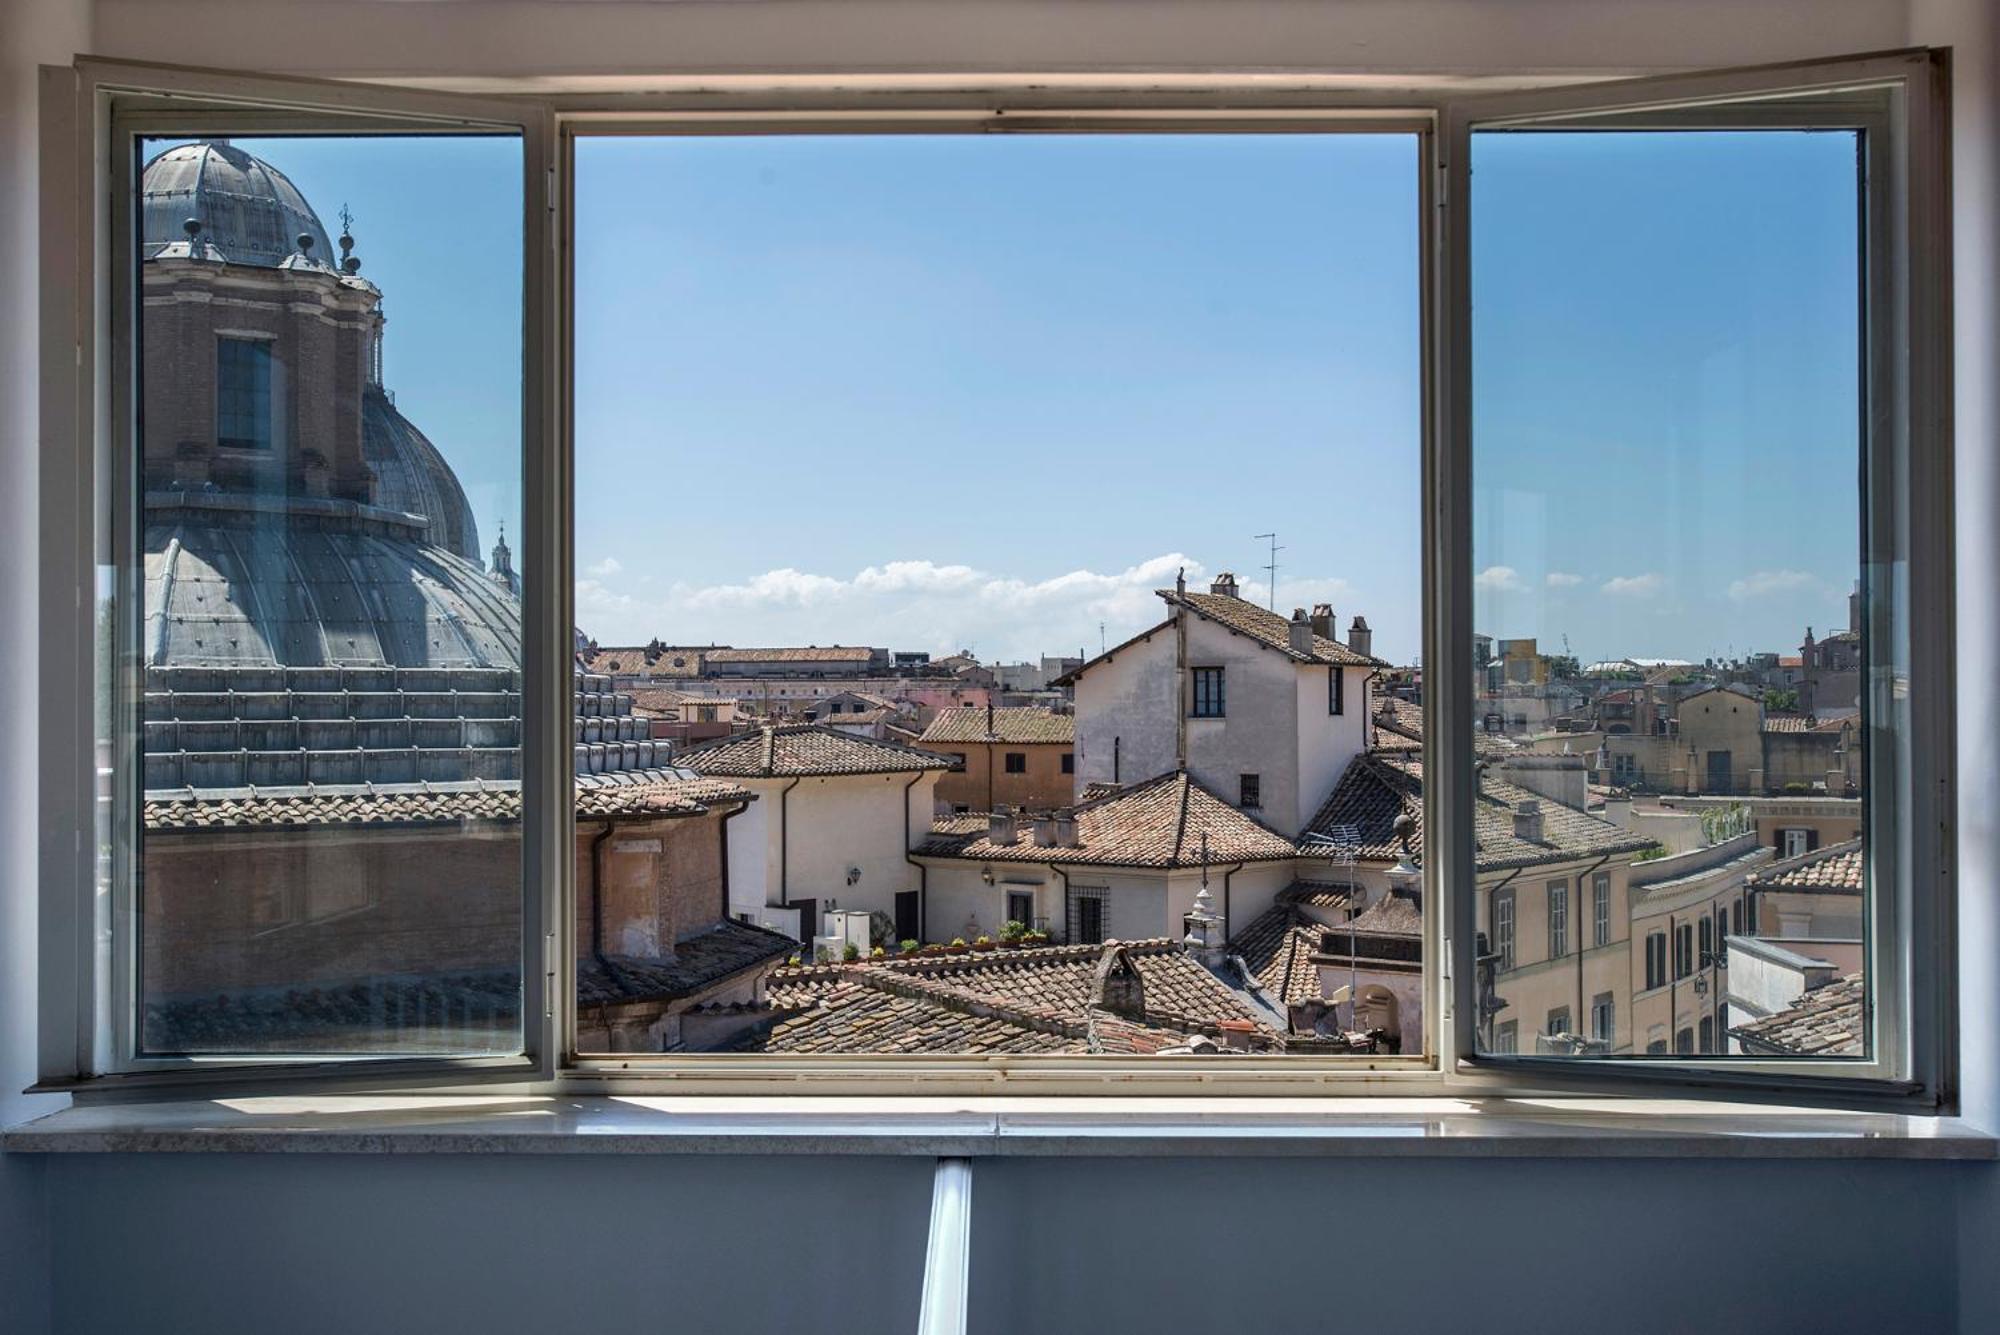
[1045,832]
[1065,829]
[1302,632]
[1000,826]
[1527,820]
[1322,620]
[1117,987]
[1225,584]
[1361,639]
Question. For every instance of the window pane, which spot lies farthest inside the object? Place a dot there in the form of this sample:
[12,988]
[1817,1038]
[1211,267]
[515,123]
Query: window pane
[324,672]
[929,458]
[1669,588]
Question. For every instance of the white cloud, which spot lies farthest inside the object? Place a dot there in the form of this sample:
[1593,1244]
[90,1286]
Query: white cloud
[1557,579]
[1499,579]
[903,604]
[1635,586]
[604,569]
[1764,583]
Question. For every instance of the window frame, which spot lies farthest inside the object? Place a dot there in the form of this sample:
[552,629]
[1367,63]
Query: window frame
[75,104]
[94,115]
[1208,703]
[1907,568]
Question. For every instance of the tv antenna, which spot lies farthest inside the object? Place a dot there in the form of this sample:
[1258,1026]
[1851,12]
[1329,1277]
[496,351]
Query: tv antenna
[1272,566]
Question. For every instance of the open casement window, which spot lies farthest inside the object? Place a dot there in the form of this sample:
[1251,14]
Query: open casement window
[1693,382]
[325,709]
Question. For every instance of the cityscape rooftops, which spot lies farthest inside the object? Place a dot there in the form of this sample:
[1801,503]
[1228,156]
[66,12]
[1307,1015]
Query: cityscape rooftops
[1158,823]
[804,749]
[1380,786]
[1022,725]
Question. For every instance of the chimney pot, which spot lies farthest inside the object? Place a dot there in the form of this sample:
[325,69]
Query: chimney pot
[1225,584]
[1322,620]
[1302,632]
[1528,820]
[1000,826]
[1044,832]
[1361,639]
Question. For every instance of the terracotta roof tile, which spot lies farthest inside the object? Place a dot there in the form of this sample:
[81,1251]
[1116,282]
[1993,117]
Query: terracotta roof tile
[804,749]
[1836,869]
[1278,947]
[1158,823]
[1266,627]
[1024,726]
[1829,1021]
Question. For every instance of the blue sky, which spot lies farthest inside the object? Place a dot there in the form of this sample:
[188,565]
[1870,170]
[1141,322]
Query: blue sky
[933,392]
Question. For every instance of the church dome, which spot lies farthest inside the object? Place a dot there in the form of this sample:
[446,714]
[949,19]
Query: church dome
[412,476]
[250,212]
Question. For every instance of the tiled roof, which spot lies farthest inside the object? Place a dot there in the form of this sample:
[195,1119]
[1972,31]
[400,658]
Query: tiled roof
[1054,982]
[1278,946]
[804,749]
[665,697]
[1829,1021]
[628,792]
[1317,894]
[851,1018]
[1378,787]
[1025,726]
[634,661]
[795,654]
[1158,823]
[1400,717]
[700,962]
[1393,915]
[1788,723]
[857,718]
[1266,627]
[1037,999]
[1836,869]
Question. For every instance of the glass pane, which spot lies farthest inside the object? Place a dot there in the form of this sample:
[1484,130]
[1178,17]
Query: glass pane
[1670,598]
[912,472]
[322,647]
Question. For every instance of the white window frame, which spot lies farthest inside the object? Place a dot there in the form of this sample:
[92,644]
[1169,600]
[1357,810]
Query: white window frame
[1900,103]
[1918,1060]
[94,117]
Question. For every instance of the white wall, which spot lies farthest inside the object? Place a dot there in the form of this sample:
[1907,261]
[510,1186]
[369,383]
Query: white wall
[1125,714]
[308,1244]
[823,827]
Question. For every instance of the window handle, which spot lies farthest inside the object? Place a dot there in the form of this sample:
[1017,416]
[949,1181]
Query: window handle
[948,1257]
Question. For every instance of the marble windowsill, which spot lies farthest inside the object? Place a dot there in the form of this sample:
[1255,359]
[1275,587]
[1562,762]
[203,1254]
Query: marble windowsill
[1334,1128]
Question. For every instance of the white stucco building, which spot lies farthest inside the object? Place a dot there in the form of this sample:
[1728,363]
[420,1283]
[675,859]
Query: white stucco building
[1263,711]
[835,821]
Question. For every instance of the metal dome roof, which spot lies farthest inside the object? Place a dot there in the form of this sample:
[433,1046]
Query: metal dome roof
[237,581]
[250,212]
[412,476]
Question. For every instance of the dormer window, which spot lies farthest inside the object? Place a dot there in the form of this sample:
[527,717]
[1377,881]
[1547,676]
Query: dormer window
[243,394]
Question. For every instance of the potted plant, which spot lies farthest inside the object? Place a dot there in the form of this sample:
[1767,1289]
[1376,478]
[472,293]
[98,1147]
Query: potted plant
[983,943]
[850,953]
[933,949]
[878,954]
[1011,933]
[957,946]
[1035,938]
[910,947]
